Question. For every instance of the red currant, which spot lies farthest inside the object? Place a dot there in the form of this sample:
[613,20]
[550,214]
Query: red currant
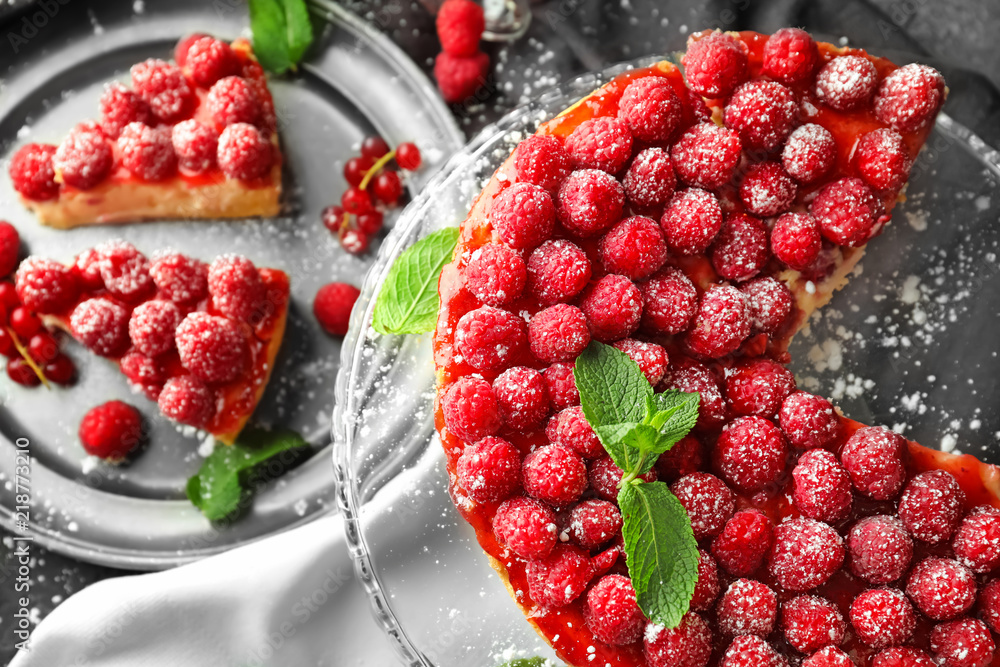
[7,348]
[8,296]
[408,156]
[3,314]
[43,347]
[356,168]
[354,241]
[24,322]
[356,200]
[333,218]
[21,373]
[60,370]
[374,147]
[369,223]
[387,187]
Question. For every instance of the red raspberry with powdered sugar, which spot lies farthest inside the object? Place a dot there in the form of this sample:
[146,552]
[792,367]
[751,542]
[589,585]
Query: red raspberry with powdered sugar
[571,429]
[124,270]
[557,271]
[880,549]
[752,651]
[526,527]
[460,25]
[594,522]
[822,488]
[706,155]
[165,89]
[561,578]
[687,645]
[942,588]
[208,59]
[763,112]
[809,152]
[650,357]
[932,506]
[910,97]
[182,279]
[721,323]
[790,55]
[808,420]
[848,212]
[874,458]
[612,613]
[558,333]
[561,386]
[32,172]
[651,109]
[244,152]
[708,501]
[489,470]
[767,190]
[196,146]
[747,608]
[489,338]
[121,106]
[590,201]
[669,301]
[633,248]
[689,375]
[882,617]
[805,554]
[751,453]
[495,274]
[603,143]
[213,348]
[846,82]
[188,400]
[650,180]
[771,303]
[522,397]
[101,325]
[541,160]
[707,588]
[613,306]
[810,622]
[883,159]
[715,64]
[691,221]
[84,158]
[902,657]
[111,430]
[977,540]
[523,216]
[471,410]
[152,325]
[829,656]
[740,250]
[143,373]
[554,474]
[232,100]
[758,387]
[45,286]
[796,240]
[744,541]
[459,77]
[989,604]
[965,642]
[682,459]
[604,476]
[148,152]
[236,288]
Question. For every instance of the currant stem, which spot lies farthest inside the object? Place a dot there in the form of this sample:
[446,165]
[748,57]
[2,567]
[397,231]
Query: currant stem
[381,162]
[27,358]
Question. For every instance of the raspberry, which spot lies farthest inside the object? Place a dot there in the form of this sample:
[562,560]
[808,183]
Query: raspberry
[708,501]
[471,410]
[554,474]
[558,333]
[489,338]
[523,215]
[213,348]
[796,240]
[557,271]
[829,656]
[612,613]
[231,100]
[910,97]
[763,113]
[706,590]
[460,25]
[715,64]
[874,458]
[932,506]
[633,248]
[147,152]
[613,306]
[669,302]
[883,159]
[143,373]
[747,608]
[721,324]
[188,400]
[751,453]
[561,386]
[570,429]
[682,459]
[650,179]
[495,274]
[490,470]
[740,251]
[706,155]
[594,522]
[744,541]
[989,604]
[121,106]
[882,617]
[124,270]
[235,287]
[977,540]
[590,201]
[880,549]
[181,50]
[45,286]
[790,55]
[757,387]
[151,327]
[809,152]
[691,221]
[165,89]
[650,357]
[604,477]
[84,158]
[603,143]
[689,375]
[101,325]
[902,657]
[846,82]
[208,59]
[767,189]
[111,430]
[965,642]
[181,279]
[687,645]
[332,307]
[770,303]
[32,172]
[942,588]
[751,651]
[523,399]
[811,622]
[10,246]
[560,578]
[526,527]
[651,109]
[805,554]
[822,487]
[196,145]
[244,152]
[808,420]
[541,160]
[459,77]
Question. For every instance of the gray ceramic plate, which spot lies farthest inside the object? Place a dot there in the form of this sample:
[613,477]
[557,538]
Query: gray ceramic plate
[356,83]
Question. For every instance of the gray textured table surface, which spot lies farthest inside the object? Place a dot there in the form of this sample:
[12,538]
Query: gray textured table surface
[562,43]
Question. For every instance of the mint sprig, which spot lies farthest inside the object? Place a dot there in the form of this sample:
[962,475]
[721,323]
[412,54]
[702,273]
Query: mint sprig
[282,32]
[408,301]
[636,425]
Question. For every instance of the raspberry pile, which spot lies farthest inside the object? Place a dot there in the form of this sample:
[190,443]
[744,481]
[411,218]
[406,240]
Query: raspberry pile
[461,68]
[373,188]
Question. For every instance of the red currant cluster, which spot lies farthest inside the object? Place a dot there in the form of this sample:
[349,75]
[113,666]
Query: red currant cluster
[373,189]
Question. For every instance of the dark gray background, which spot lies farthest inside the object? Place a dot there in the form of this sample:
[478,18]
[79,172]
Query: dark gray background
[568,37]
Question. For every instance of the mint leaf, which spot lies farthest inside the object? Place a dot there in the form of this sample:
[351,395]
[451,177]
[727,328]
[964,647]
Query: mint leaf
[677,414]
[282,32]
[526,662]
[227,474]
[408,301]
[613,438]
[660,550]
[300,32]
[612,388]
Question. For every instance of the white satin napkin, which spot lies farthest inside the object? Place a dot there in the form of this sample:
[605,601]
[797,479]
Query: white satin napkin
[289,600]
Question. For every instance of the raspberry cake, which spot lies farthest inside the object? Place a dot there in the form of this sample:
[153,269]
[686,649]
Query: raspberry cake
[198,339]
[694,221]
[195,139]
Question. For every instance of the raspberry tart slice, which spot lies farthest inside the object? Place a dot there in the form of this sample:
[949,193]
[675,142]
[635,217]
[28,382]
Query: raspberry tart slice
[199,339]
[693,221]
[195,138]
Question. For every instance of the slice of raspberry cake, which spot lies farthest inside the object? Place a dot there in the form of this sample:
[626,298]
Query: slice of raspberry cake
[195,139]
[199,339]
[694,221]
